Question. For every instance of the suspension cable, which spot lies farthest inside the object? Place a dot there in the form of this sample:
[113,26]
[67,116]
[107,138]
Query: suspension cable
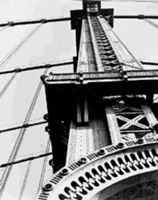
[10,55]
[149,63]
[10,164]
[3,28]
[18,70]
[15,49]
[25,180]
[22,126]
[19,139]
[44,166]
[151,23]
[7,85]
[126,64]
[42,21]
[134,1]
[39,21]
[141,16]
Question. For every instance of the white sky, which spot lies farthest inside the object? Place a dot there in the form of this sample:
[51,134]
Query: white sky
[50,43]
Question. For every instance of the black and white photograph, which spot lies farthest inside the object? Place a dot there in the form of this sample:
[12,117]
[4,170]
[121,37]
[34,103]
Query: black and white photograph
[79,100]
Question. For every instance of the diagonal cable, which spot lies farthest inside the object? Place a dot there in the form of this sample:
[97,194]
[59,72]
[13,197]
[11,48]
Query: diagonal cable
[7,85]
[44,166]
[10,55]
[151,23]
[17,48]
[25,181]
[19,140]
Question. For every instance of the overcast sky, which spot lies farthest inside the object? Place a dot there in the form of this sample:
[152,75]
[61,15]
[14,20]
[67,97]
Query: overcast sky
[51,42]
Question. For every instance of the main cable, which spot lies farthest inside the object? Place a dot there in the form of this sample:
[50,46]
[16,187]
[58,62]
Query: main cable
[22,126]
[140,16]
[8,164]
[62,19]
[18,70]
[134,1]
[38,21]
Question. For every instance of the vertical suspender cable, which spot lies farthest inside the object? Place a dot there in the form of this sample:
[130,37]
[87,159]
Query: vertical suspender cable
[19,139]
[25,180]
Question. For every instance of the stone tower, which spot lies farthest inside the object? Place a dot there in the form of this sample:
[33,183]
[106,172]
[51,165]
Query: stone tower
[102,118]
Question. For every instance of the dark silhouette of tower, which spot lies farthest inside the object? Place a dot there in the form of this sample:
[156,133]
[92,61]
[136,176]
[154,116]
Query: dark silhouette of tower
[102,121]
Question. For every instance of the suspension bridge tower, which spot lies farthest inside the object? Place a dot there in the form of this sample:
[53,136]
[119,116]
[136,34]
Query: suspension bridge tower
[102,118]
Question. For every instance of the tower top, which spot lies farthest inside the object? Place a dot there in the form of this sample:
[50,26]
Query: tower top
[91,6]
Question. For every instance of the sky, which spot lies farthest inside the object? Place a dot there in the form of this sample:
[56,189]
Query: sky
[51,42]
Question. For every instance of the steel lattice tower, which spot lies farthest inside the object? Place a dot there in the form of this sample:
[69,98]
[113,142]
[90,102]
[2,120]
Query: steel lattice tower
[102,118]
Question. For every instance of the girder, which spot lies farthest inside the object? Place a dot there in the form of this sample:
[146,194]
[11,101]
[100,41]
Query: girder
[103,169]
[110,52]
[132,119]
